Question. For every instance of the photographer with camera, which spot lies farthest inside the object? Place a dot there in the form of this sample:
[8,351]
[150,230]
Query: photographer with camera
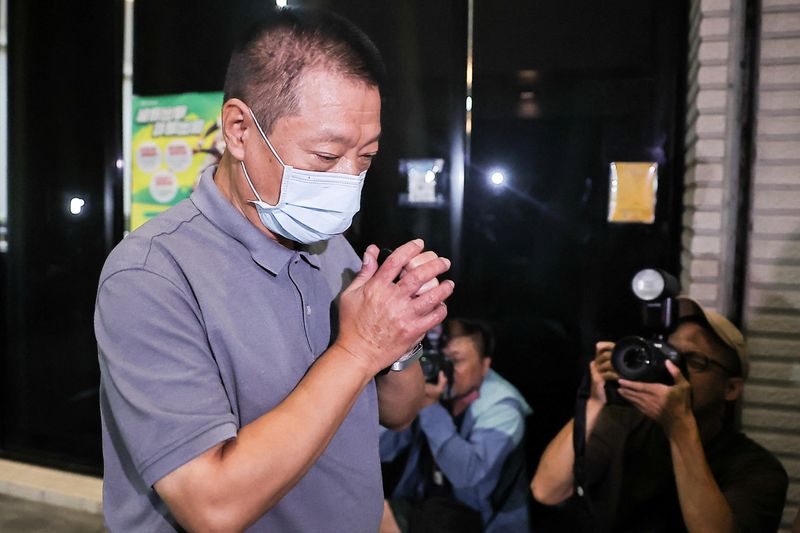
[672,458]
[465,467]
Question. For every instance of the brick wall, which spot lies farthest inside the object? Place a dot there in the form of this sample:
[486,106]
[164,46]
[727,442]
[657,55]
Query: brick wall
[772,314]
[771,411]
[711,180]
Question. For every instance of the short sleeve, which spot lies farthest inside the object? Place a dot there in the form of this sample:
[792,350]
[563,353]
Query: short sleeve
[392,443]
[162,397]
[756,494]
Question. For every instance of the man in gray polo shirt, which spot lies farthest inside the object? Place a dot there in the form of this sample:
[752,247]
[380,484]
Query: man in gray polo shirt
[239,334]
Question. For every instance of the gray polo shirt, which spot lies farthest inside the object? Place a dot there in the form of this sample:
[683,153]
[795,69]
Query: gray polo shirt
[204,324]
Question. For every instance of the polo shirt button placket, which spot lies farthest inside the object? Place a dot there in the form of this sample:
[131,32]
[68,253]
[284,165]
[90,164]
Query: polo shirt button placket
[305,310]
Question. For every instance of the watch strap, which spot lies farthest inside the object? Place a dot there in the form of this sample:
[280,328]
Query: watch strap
[408,358]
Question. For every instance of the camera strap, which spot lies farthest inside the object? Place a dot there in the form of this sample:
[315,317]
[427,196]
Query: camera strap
[579,443]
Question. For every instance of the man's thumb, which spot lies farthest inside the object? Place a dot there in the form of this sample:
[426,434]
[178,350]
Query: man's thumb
[369,264]
[677,375]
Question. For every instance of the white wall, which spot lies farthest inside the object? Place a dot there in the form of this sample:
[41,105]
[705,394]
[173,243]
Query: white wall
[772,313]
[771,412]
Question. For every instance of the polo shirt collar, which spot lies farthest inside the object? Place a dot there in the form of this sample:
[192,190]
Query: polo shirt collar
[216,208]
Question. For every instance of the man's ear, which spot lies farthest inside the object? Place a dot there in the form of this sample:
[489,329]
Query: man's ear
[234,112]
[733,388]
[486,362]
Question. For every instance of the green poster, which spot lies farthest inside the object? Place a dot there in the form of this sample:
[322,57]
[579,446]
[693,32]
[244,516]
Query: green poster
[174,138]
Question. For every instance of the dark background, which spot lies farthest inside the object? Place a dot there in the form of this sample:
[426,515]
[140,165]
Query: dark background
[560,90]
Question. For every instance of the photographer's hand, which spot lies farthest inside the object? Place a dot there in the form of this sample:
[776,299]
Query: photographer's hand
[433,392]
[602,358]
[602,371]
[703,505]
[669,405]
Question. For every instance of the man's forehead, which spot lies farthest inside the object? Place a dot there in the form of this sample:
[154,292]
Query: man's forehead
[463,342]
[693,336]
[335,109]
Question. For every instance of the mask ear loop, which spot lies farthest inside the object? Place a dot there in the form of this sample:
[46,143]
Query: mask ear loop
[264,136]
[271,148]
[250,183]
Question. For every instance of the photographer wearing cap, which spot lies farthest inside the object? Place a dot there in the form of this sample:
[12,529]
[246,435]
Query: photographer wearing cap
[465,467]
[675,460]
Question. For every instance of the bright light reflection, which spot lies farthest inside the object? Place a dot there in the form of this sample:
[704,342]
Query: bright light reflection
[497,177]
[76,205]
[281,3]
[430,176]
[469,103]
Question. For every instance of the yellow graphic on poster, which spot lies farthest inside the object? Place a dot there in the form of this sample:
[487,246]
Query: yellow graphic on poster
[174,139]
[632,192]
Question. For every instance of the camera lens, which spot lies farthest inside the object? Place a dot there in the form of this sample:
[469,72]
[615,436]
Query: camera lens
[640,359]
[635,358]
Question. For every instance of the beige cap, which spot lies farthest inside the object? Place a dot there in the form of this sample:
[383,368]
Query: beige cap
[724,328]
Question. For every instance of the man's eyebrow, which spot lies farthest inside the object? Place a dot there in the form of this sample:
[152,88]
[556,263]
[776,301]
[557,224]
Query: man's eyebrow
[336,137]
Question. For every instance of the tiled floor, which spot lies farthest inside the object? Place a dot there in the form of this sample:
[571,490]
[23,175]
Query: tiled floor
[24,516]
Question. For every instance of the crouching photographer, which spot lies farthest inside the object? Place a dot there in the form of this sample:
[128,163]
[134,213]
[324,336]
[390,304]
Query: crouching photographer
[666,455]
[464,467]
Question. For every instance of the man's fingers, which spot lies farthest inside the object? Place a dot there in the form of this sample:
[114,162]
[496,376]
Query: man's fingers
[393,265]
[417,277]
[427,286]
[629,384]
[637,399]
[436,316]
[637,386]
[604,365]
[603,346]
[602,354]
[421,259]
[609,375]
[425,303]
[677,375]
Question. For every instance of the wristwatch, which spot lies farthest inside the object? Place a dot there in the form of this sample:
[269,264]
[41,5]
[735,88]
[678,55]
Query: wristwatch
[407,359]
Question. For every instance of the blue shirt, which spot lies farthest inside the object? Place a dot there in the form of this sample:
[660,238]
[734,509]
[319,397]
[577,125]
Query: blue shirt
[203,324]
[475,458]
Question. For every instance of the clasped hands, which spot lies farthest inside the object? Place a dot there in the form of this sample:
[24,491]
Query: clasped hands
[380,319]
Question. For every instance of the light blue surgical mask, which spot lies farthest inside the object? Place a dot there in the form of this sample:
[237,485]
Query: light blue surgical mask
[312,206]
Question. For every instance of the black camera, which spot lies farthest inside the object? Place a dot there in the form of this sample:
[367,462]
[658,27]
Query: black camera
[643,358]
[433,360]
[433,363]
[640,359]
